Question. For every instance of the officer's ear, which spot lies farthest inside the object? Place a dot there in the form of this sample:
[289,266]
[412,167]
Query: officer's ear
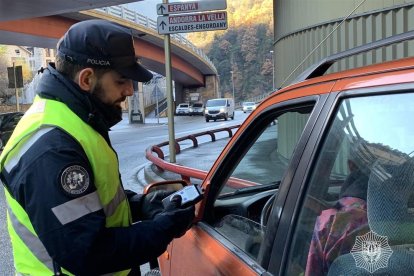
[86,78]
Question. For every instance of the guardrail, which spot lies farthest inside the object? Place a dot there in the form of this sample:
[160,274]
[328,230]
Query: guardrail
[185,172]
[143,20]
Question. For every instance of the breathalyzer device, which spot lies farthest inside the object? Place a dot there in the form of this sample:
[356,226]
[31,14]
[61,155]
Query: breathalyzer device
[189,195]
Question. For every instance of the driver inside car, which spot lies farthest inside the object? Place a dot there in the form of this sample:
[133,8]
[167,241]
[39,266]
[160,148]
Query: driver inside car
[336,228]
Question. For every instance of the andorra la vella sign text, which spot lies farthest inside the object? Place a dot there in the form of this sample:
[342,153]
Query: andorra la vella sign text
[197,22]
[184,19]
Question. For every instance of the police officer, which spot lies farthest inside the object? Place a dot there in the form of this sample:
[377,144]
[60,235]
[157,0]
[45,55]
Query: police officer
[67,210]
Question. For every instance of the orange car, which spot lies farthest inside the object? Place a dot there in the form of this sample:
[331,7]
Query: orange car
[331,167]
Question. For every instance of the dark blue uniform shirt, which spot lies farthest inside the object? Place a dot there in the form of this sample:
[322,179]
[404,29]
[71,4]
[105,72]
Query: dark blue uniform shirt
[83,246]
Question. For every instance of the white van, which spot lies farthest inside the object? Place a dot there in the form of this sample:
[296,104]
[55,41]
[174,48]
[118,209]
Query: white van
[222,108]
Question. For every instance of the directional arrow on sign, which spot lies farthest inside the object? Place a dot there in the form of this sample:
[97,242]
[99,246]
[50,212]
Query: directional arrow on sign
[161,9]
[163,24]
[192,6]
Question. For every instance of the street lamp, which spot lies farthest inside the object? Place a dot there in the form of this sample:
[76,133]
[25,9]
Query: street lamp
[232,83]
[273,72]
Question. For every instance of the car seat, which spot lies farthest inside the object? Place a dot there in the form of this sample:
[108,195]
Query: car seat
[392,222]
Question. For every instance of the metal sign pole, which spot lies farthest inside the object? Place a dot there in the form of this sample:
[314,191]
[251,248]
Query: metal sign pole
[170,109]
[15,88]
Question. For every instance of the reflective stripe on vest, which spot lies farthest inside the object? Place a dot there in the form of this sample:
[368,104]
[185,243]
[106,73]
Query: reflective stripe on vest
[79,207]
[38,120]
[31,240]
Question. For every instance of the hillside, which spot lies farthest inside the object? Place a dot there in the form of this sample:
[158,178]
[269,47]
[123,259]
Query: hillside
[243,48]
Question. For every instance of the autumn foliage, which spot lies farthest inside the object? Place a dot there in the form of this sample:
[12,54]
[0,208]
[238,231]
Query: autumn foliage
[243,48]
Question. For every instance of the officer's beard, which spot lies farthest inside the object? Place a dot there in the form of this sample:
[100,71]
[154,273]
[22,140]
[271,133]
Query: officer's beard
[111,113]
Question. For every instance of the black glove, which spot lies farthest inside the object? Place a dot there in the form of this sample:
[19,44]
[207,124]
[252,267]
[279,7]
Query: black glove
[182,217]
[152,203]
[146,206]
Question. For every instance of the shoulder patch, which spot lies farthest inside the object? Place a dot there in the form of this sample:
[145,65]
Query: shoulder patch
[75,180]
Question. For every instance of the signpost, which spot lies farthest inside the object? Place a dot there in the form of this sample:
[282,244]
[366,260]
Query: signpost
[195,22]
[184,23]
[15,75]
[183,7]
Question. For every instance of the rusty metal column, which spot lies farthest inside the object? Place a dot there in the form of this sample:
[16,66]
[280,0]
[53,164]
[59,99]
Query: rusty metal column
[170,109]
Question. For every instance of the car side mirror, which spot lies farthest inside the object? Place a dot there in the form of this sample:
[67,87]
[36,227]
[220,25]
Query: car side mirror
[228,104]
[169,185]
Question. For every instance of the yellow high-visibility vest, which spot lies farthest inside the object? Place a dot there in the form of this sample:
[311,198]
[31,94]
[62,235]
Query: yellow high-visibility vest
[30,256]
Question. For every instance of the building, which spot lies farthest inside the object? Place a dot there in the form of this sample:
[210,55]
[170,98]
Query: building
[307,31]
[41,57]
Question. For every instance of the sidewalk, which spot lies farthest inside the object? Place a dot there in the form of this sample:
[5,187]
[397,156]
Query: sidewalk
[202,157]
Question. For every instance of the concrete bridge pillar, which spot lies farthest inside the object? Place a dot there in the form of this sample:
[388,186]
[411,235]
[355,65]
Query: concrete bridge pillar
[202,94]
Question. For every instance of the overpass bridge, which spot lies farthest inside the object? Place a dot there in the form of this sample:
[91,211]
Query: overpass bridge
[192,71]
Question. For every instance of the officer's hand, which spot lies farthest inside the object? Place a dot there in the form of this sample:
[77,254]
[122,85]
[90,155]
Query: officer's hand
[182,217]
[152,203]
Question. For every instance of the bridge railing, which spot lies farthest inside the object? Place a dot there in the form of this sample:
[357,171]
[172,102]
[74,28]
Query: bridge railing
[156,156]
[130,15]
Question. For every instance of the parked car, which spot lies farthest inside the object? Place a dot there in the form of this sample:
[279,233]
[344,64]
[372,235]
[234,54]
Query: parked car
[318,180]
[197,109]
[222,108]
[248,106]
[8,122]
[183,109]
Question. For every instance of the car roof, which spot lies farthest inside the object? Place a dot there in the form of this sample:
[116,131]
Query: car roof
[367,76]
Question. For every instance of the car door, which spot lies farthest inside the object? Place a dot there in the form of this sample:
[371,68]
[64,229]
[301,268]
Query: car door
[354,201]
[233,236]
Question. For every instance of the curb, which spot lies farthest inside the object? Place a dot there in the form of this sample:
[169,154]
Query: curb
[144,175]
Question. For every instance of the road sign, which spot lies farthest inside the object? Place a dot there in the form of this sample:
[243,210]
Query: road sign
[186,7]
[197,22]
[15,75]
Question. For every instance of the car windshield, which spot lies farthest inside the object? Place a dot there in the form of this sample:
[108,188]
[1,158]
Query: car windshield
[248,104]
[216,103]
[183,105]
[197,105]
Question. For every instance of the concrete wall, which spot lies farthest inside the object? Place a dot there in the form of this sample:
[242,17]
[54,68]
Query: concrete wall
[307,31]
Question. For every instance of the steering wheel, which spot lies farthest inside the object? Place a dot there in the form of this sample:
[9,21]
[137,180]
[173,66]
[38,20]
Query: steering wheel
[311,203]
[264,215]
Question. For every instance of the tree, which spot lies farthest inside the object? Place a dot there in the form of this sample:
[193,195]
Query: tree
[3,74]
[243,48]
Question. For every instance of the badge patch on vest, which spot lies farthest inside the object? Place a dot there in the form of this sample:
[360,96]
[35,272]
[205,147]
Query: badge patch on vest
[74,180]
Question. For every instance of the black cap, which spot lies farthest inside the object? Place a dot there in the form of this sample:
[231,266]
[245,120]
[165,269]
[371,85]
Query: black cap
[104,44]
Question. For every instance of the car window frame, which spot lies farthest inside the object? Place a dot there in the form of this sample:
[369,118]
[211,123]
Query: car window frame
[243,144]
[299,185]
